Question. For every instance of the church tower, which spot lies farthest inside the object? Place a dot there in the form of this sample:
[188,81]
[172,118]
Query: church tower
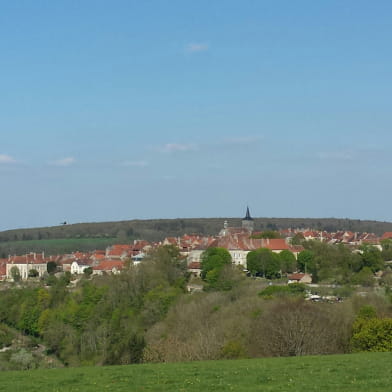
[248,222]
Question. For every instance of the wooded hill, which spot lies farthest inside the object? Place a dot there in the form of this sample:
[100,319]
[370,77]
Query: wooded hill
[99,235]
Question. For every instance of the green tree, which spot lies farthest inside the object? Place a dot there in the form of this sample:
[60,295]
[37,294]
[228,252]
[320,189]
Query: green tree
[364,277]
[288,262]
[213,261]
[33,273]
[293,289]
[371,333]
[297,239]
[15,274]
[254,263]
[386,252]
[87,272]
[163,266]
[267,234]
[372,258]
[263,262]
[305,261]
[51,267]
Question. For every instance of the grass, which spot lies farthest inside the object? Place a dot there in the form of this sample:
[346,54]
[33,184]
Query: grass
[56,246]
[355,372]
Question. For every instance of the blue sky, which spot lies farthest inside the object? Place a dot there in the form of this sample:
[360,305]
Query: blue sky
[162,109]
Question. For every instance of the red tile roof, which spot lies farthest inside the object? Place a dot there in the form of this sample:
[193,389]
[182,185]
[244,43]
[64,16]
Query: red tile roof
[108,265]
[387,235]
[244,242]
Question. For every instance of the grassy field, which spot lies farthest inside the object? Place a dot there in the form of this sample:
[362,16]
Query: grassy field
[370,372]
[55,246]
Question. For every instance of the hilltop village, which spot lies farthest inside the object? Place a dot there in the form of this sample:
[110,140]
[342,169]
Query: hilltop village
[239,241]
[198,297]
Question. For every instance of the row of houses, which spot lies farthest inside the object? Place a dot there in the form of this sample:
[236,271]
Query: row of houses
[239,241]
[111,260]
[338,237]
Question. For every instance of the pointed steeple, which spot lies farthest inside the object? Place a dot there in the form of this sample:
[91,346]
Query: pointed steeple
[247,216]
[247,222]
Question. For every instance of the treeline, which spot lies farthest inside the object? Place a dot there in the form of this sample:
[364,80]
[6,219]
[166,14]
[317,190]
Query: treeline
[156,229]
[325,262]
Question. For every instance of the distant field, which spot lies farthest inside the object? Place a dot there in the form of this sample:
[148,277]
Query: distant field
[370,372]
[55,246]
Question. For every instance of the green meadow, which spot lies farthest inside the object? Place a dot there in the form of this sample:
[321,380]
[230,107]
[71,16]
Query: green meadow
[369,372]
[54,246]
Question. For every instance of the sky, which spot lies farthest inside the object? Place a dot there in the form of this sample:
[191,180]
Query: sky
[117,110]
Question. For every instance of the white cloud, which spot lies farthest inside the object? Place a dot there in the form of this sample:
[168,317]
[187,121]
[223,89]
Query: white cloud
[177,147]
[68,161]
[4,158]
[135,163]
[196,47]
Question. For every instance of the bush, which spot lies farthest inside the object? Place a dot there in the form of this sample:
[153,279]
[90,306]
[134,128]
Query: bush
[372,334]
[233,349]
[293,327]
[293,289]
[23,360]
[5,336]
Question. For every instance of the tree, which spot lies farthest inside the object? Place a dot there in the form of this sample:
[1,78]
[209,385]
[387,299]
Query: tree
[364,277]
[164,266]
[33,273]
[305,261]
[263,262]
[297,239]
[213,261]
[87,272]
[372,258]
[293,289]
[386,252]
[371,333]
[267,234]
[254,263]
[288,262]
[15,274]
[51,267]
[287,328]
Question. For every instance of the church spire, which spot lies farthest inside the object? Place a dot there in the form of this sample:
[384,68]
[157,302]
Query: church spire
[247,216]
[247,222]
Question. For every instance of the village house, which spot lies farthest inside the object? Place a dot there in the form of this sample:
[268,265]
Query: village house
[109,267]
[25,265]
[387,235]
[78,268]
[3,269]
[120,252]
[299,278]
[238,241]
[194,268]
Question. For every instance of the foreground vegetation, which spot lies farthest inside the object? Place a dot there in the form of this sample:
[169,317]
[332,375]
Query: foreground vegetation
[355,372]
[146,315]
